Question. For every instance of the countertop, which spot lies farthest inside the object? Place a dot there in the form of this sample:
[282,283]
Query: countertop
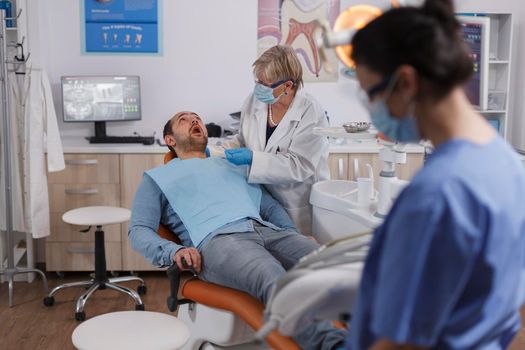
[81,145]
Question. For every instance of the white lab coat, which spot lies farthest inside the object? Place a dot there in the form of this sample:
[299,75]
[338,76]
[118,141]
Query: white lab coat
[36,121]
[293,159]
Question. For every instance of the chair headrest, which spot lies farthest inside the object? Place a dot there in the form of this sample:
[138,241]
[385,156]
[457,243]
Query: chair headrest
[169,156]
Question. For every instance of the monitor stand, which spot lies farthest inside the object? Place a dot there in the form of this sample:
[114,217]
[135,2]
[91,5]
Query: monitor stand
[100,133]
[100,130]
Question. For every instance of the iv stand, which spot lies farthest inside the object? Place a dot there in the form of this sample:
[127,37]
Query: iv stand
[11,270]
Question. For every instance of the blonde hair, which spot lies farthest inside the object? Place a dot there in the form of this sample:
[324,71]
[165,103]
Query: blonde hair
[279,63]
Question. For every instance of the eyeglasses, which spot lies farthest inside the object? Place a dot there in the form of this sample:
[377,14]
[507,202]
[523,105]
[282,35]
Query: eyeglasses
[272,86]
[366,96]
[379,87]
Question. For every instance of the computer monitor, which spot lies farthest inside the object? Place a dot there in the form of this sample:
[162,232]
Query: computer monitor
[475,31]
[99,99]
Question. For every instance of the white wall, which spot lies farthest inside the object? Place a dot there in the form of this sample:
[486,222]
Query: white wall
[208,48]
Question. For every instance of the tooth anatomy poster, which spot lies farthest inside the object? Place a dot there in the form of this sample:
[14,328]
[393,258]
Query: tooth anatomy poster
[121,26]
[293,22]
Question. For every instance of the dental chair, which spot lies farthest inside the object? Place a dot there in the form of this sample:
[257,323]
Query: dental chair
[218,317]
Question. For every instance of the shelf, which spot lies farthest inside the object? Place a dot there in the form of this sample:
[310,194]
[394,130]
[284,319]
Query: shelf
[499,62]
[11,29]
[495,111]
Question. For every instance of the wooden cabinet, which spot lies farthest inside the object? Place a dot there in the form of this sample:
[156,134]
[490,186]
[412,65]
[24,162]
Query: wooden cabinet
[88,179]
[132,169]
[342,165]
[338,165]
[77,256]
[88,168]
[362,159]
[95,179]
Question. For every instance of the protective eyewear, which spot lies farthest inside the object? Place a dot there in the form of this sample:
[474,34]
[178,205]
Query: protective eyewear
[379,87]
[366,96]
[272,86]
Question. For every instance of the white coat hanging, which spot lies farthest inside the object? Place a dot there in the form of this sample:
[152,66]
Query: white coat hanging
[41,134]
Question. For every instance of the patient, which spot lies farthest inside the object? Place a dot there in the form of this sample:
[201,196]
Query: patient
[233,233]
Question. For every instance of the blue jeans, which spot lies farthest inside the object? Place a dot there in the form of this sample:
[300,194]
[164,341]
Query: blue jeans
[253,261]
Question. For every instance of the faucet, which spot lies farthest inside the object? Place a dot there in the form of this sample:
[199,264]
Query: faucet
[389,184]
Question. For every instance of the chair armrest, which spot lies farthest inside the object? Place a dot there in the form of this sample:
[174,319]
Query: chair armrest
[174,277]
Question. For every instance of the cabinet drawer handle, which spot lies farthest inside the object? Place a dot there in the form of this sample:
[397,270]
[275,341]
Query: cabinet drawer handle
[85,191]
[356,169]
[340,169]
[81,161]
[81,250]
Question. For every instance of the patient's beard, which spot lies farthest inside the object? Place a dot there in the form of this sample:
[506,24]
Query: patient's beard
[192,145]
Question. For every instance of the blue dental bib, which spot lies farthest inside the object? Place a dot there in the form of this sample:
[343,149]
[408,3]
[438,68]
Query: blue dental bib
[207,193]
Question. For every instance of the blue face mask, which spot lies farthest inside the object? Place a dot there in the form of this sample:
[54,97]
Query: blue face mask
[400,130]
[265,93]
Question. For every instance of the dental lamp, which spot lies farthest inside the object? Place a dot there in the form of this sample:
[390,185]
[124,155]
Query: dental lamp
[346,25]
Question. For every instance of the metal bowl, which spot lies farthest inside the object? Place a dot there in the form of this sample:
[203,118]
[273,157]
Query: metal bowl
[356,126]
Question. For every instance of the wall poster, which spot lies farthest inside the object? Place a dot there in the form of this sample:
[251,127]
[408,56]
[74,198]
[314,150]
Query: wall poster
[121,26]
[292,22]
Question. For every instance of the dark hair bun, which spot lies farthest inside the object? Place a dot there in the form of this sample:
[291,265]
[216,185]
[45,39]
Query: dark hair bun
[443,12]
[439,6]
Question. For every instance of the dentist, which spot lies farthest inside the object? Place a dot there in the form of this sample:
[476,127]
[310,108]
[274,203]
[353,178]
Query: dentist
[276,135]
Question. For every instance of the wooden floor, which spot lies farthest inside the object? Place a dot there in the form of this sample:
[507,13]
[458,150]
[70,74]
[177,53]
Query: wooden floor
[31,325]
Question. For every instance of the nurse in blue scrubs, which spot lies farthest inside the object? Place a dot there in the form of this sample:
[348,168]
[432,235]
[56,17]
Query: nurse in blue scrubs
[446,270]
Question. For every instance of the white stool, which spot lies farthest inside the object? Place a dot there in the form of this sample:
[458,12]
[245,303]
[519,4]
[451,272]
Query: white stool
[98,216]
[131,330]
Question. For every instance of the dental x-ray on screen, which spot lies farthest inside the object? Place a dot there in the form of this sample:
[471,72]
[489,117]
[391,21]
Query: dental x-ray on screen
[101,98]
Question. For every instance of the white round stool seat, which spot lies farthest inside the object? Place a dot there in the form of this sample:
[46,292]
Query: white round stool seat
[96,216]
[131,330]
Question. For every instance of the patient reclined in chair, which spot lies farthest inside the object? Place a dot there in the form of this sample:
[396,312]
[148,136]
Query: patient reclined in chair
[244,237]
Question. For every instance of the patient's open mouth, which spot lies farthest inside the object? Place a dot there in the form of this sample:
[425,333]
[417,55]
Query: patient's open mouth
[196,130]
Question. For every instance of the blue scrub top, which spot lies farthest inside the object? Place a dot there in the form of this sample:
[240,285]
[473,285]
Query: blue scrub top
[446,268]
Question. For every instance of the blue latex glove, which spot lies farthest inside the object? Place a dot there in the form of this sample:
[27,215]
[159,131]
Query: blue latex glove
[239,156]
[207,151]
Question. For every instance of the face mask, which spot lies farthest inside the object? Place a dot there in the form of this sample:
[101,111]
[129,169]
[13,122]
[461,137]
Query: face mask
[400,130]
[265,94]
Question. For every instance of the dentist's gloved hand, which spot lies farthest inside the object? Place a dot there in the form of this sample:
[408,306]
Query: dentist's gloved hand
[239,156]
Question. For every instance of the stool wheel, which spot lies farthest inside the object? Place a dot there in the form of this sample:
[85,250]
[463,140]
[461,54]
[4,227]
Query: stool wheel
[142,289]
[80,316]
[49,301]
[139,307]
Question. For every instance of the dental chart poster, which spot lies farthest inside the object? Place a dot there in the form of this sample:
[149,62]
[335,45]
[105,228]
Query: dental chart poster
[292,22]
[121,26]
